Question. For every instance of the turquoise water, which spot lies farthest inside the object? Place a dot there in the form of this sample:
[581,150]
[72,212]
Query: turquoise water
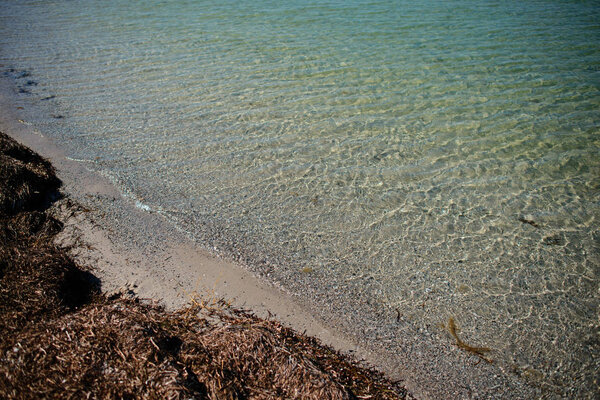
[434,159]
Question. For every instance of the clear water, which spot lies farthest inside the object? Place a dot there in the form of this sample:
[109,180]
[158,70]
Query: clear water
[436,158]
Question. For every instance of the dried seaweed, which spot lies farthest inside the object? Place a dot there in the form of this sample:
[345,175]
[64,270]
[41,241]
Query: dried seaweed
[28,181]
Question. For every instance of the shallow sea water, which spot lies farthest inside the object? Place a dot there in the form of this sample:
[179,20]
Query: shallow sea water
[437,160]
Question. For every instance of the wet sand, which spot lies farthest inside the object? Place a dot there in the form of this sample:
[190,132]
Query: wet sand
[142,253]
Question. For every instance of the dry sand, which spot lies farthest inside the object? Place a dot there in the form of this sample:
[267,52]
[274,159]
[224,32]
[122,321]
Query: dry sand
[142,253]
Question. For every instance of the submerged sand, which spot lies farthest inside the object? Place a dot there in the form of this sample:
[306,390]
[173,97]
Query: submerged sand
[140,252]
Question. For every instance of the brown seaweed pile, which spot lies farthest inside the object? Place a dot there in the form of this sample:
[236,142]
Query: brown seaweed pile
[61,338]
[27,180]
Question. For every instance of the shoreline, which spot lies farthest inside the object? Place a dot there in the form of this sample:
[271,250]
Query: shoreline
[155,260]
[84,342]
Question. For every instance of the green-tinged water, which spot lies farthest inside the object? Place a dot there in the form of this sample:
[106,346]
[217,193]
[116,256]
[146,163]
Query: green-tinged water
[437,159]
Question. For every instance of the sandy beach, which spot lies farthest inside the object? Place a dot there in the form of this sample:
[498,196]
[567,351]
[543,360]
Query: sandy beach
[141,253]
[64,335]
[416,184]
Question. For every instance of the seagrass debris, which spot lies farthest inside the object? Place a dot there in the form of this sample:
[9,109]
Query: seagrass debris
[60,337]
[478,351]
[28,180]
